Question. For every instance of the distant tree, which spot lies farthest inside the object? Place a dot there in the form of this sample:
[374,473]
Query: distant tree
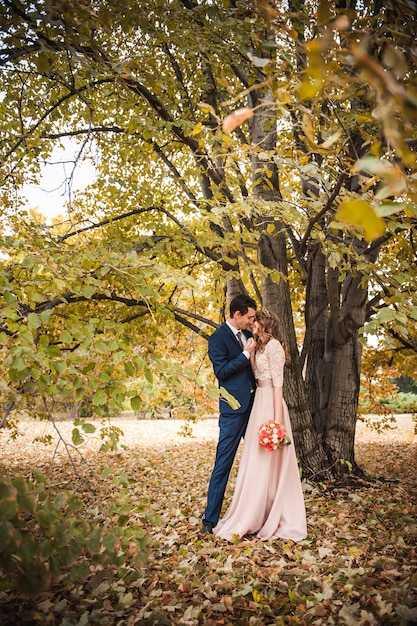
[406,384]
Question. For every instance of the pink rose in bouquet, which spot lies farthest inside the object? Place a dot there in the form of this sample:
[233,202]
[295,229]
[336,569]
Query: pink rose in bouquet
[272,435]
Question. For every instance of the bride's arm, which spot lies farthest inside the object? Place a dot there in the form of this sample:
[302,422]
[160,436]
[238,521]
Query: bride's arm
[278,404]
[276,358]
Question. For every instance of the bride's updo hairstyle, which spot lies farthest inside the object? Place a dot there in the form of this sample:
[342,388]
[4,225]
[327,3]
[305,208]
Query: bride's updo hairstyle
[271,327]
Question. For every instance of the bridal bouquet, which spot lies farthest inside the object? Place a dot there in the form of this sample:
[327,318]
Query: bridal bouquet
[272,435]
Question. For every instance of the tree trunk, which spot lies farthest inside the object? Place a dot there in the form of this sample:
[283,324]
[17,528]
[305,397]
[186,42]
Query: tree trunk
[276,296]
[338,366]
[235,286]
[316,359]
[339,433]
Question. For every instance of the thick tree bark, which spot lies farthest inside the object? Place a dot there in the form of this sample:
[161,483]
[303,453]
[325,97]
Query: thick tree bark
[235,286]
[339,433]
[276,296]
[317,360]
[347,315]
[335,312]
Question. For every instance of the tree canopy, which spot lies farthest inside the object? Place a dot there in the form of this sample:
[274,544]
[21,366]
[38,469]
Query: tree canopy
[308,201]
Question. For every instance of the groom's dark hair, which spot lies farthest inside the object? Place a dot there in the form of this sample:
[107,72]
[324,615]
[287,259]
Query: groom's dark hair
[241,303]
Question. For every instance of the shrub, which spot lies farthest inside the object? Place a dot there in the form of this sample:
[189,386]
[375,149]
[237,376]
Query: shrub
[401,403]
[42,539]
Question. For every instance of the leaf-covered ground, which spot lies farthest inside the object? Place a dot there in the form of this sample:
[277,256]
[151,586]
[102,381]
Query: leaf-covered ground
[357,566]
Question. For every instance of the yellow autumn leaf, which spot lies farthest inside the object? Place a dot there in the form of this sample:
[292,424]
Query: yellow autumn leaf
[235,539]
[197,128]
[204,106]
[313,80]
[258,597]
[310,88]
[361,213]
[355,552]
[307,126]
[364,119]
[227,139]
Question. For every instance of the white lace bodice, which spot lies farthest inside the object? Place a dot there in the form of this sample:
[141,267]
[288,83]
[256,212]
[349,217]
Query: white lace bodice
[269,364]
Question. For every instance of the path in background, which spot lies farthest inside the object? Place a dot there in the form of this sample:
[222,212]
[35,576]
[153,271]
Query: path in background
[160,433]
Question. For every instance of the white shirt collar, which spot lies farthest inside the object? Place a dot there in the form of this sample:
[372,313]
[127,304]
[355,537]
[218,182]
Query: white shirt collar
[235,330]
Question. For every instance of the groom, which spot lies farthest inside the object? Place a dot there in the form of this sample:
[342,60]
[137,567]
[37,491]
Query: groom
[229,349]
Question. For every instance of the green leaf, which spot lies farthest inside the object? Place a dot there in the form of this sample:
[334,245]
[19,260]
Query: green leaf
[88,291]
[101,346]
[43,63]
[77,438]
[33,580]
[45,316]
[79,572]
[8,500]
[99,398]
[391,208]
[127,599]
[129,368]
[10,298]
[28,262]
[18,364]
[148,374]
[89,428]
[136,403]
[53,351]
[59,284]
[60,367]
[386,315]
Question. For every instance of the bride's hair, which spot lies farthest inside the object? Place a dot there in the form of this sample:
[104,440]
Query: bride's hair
[271,327]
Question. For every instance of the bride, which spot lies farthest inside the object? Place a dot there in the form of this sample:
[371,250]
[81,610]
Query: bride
[268,499]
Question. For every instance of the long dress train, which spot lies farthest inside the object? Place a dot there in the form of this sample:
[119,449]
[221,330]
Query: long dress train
[268,499]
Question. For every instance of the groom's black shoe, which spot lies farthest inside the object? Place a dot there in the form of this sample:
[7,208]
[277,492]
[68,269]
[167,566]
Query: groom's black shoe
[207,528]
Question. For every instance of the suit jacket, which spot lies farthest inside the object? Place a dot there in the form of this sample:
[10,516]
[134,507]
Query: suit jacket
[232,369]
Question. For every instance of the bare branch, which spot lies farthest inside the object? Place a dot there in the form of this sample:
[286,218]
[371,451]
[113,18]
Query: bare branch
[68,447]
[109,220]
[195,316]
[190,325]
[324,210]
[8,407]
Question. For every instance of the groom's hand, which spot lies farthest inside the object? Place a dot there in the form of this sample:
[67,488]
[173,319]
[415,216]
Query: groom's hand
[250,345]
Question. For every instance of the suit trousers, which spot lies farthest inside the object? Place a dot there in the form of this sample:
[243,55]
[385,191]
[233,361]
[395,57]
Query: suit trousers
[232,429]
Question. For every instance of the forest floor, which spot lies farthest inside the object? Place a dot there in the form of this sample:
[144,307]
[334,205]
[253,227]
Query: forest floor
[358,565]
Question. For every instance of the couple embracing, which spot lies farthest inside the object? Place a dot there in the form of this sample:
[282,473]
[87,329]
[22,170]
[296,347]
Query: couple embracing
[248,355]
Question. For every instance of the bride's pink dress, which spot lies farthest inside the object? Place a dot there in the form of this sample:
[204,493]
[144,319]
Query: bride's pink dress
[268,499]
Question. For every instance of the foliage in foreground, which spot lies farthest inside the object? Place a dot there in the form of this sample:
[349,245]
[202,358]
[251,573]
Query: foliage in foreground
[45,539]
[358,565]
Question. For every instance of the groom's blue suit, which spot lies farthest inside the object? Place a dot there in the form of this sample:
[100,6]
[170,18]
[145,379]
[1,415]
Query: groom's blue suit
[233,372]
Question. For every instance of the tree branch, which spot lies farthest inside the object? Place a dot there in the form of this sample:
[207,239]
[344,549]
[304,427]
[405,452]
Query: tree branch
[324,210]
[190,325]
